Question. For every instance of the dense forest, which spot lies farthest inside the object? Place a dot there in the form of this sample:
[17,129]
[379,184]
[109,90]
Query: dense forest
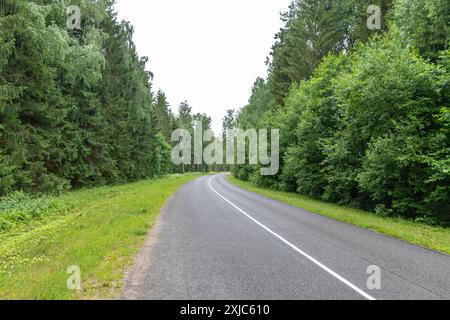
[77,107]
[364,114]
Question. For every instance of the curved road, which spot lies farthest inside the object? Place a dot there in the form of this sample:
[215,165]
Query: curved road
[214,240]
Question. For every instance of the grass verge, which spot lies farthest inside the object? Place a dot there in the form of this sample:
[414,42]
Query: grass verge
[99,230]
[417,233]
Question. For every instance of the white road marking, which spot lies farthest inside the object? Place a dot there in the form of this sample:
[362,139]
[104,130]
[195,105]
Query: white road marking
[322,266]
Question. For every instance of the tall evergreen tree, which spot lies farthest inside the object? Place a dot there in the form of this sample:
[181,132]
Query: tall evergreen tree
[76,107]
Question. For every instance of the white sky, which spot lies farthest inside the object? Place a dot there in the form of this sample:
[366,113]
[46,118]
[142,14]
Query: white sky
[208,52]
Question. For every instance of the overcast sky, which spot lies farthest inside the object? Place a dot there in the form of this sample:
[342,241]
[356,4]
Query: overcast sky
[208,52]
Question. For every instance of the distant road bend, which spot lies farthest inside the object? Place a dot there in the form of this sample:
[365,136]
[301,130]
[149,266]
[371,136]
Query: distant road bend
[217,241]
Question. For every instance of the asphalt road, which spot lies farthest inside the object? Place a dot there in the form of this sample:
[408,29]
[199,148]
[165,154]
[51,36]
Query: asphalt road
[217,241]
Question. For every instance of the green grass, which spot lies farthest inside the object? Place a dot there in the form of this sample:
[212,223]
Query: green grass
[100,230]
[417,233]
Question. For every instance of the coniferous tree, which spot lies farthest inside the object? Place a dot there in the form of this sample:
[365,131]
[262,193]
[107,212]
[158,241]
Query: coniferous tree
[76,107]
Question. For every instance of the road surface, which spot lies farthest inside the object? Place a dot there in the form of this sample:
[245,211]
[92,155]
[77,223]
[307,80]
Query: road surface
[214,241]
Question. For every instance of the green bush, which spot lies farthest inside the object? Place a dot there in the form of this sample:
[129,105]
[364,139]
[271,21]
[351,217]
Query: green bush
[20,208]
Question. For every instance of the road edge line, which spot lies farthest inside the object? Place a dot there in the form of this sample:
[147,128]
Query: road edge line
[292,246]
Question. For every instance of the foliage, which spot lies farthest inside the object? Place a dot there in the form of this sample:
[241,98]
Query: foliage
[311,117]
[76,107]
[426,23]
[366,124]
[19,209]
[313,29]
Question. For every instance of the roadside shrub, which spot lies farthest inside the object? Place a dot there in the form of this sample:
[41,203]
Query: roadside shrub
[19,208]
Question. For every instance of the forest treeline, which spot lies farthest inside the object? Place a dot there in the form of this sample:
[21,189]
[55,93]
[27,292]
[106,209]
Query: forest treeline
[77,107]
[364,114]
